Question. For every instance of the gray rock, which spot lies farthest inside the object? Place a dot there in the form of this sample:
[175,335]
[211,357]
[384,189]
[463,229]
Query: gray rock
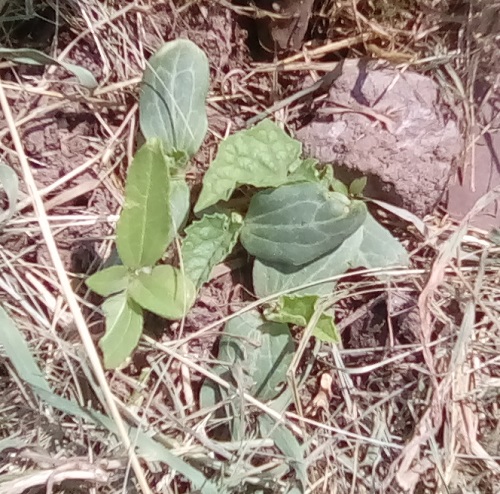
[391,127]
[483,173]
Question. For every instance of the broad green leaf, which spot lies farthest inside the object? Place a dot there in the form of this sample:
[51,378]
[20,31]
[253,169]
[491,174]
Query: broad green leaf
[298,310]
[263,350]
[179,205]
[379,249]
[298,223]
[124,322]
[10,184]
[357,186]
[371,246]
[165,291]
[109,281]
[207,243]
[144,228]
[34,57]
[270,279]
[172,102]
[262,156]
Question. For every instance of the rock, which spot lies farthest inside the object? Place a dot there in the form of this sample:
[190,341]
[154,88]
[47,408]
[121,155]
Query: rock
[483,174]
[391,127]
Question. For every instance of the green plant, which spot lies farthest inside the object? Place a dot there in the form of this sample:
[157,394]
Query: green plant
[173,122]
[303,226]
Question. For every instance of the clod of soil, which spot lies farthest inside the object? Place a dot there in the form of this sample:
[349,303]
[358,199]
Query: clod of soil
[388,126]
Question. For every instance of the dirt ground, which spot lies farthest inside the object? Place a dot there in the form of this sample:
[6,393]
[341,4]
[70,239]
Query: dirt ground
[441,431]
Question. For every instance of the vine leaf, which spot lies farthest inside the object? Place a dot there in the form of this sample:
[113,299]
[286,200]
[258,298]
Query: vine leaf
[298,223]
[299,310]
[262,156]
[371,246]
[207,243]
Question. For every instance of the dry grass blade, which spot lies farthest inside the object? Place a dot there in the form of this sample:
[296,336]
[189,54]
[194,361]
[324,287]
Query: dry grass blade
[68,291]
[52,477]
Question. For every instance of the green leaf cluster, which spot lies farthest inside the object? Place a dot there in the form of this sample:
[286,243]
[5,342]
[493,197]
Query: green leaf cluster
[157,202]
[145,228]
[156,207]
[302,226]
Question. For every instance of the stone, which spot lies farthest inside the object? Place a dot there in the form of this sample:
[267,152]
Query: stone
[390,126]
[483,171]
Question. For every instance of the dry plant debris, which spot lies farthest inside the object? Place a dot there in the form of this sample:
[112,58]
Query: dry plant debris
[409,402]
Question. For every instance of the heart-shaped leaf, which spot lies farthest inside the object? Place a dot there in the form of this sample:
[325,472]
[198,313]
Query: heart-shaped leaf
[262,156]
[298,223]
[371,246]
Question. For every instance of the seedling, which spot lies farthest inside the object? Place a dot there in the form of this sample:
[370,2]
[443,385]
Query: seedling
[303,227]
